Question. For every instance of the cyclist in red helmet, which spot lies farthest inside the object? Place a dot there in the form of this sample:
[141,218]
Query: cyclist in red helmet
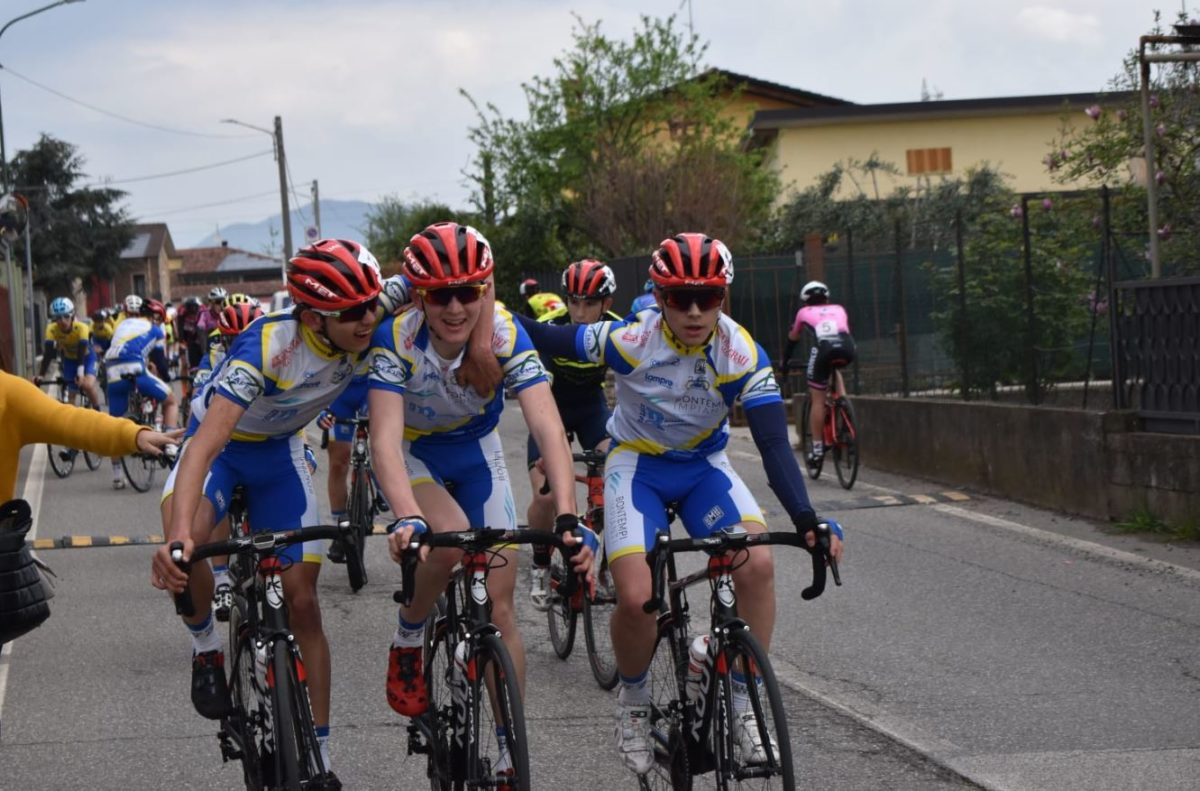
[435,445]
[679,372]
[280,372]
[578,389]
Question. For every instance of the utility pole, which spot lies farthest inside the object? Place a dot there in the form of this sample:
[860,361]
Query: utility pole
[316,207]
[283,191]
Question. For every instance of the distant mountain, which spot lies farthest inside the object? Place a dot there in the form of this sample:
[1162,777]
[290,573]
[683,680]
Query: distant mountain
[343,219]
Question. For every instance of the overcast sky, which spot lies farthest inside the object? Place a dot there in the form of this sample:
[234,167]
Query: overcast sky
[368,91]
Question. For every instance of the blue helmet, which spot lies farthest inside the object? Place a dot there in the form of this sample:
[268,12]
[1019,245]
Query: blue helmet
[61,307]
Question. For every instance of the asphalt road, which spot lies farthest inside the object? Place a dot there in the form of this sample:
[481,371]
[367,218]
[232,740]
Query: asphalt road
[974,644]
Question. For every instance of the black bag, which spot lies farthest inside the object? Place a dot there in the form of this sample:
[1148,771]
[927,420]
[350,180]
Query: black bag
[25,593]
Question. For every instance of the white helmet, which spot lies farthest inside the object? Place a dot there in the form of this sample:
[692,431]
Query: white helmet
[217,294]
[133,305]
[814,288]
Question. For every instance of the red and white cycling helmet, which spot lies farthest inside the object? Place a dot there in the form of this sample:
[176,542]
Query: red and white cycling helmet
[332,275]
[691,259]
[447,254]
[237,317]
[589,278]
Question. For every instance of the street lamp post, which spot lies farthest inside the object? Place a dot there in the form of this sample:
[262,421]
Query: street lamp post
[277,138]
[20,346]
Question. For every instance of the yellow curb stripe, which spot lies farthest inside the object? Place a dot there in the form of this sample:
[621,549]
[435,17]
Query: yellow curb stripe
[956,496]
[44,543]
[79,541]
[923,499]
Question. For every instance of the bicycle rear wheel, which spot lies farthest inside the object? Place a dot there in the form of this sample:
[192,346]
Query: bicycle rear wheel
[561,617]
[671,770]
[62,459]
[361,516]
[496,709]
[92,460]
[751,745]
[845,449]
[814,470]
[140,469]
[597,615]
[297,756]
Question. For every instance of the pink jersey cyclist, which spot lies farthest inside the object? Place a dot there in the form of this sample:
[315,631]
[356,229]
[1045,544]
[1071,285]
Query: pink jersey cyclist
[830,327]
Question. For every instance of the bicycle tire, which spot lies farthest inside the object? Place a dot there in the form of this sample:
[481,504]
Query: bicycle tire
[492,661]
[92,460]
[296,752]
[361,500]
[597,616]
[61,466]
[770,718]
[437,654]
[246,697]
[139,470]
[814,470]
[845,449]
[668,717]
[561,617]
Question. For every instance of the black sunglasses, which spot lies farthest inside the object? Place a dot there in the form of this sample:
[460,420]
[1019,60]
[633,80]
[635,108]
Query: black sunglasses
[576,300]
[684,298]
[354,312]
[464,294]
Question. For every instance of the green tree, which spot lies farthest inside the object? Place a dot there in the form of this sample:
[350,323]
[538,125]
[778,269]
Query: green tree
[391,223]
[1110,149]
[76,232]
[623,143]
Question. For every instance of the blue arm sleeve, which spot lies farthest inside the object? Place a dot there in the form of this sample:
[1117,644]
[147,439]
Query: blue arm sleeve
[159,358]
[553,340]
[768,427]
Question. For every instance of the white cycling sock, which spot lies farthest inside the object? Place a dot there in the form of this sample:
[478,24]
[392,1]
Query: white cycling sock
[741,693]
[221,575]
[408,635]
[818,447]
[337,517]
[635,691]
[322,732]
[116,467]
[204,636]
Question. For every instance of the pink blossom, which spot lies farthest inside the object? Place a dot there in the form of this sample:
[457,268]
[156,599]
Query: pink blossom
[1160,178]
[1016,211]
[1122,115]
[1154,101]
[1161,129]
[1047,204]
[1164,232]
[1093,112]
[1095,220]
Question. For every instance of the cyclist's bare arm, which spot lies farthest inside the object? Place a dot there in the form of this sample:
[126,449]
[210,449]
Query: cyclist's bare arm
[215,430]
[387,461]
[545,424]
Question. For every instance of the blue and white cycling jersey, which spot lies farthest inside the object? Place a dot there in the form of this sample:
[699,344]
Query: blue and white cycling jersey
[673,400]
[282,373]
[437,408]
[132,342]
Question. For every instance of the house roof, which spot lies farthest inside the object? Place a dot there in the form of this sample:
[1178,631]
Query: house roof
[148,241]
[225,259]
[911,111]
[774,90]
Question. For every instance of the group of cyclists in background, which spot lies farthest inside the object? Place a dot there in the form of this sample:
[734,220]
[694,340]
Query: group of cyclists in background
[430,354]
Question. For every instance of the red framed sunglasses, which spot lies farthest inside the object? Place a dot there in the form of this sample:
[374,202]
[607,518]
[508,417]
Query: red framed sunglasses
[684,298]
[464,294]
[354,312]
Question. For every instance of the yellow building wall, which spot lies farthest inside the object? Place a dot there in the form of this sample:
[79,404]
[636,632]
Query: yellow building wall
[1014,145]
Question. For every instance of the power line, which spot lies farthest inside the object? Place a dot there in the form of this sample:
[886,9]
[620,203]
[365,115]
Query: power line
[291,184]
[180,172]
[118,116]
[226,202]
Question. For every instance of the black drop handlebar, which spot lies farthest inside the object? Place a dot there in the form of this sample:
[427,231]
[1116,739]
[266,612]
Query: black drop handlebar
[721,542]
[260,543]
[479,541]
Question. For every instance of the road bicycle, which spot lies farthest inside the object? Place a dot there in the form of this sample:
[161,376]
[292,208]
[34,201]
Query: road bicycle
[140,468]
[186,392]
[697,725]
[362,503]
[474,696]
[62,458]
[563,613]
[840,433]
[269,726]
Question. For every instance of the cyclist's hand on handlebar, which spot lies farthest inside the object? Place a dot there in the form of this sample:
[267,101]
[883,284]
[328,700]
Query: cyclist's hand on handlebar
[401,532]
[576,534]
[325,420]
[37,380]
[165,574]
[806,525]
[836,540]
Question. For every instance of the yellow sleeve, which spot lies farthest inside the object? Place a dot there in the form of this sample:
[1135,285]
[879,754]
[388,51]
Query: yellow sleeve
[85,331]
[40,418]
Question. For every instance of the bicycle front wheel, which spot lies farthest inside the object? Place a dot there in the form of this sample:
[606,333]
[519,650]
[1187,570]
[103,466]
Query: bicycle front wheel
[444,763]
[247,697]
[845,449]
[668,720]
[62,459]
[499,753]
[597,615]
[297,756]
[561,617]
[361,517]
[91,459]
[750,739]
[814,470]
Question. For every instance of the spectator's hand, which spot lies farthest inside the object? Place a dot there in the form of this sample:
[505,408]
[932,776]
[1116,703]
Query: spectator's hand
[155,442]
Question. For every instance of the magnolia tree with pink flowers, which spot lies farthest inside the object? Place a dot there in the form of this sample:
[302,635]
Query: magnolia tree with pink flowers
[1109,148]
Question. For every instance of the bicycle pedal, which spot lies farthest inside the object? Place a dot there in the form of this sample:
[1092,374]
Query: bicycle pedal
[416,741]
